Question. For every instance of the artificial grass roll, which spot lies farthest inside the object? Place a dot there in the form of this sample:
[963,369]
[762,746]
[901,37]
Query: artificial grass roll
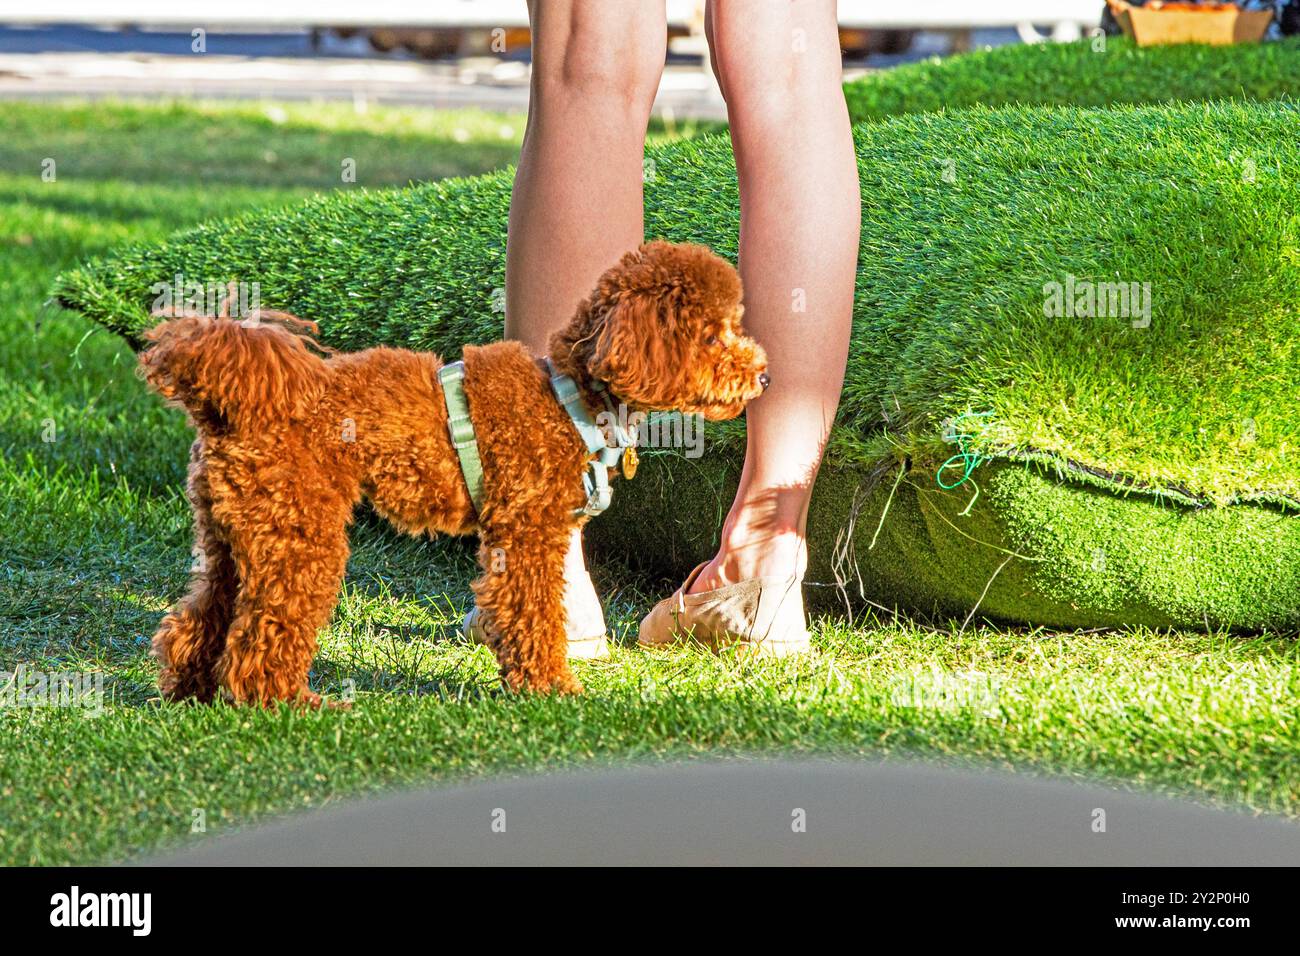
[1032,549]
[1090,72]
[1166,412]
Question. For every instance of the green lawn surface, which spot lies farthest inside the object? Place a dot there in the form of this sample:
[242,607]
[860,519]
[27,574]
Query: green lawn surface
[95,545]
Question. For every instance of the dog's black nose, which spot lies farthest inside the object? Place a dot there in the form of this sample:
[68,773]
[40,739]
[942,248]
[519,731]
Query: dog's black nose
[765,380]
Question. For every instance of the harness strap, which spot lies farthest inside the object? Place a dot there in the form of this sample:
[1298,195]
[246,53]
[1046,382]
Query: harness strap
[604,453]
[452,378]
[595,480]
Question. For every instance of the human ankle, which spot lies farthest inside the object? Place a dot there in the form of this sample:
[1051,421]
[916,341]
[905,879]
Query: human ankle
[773,554]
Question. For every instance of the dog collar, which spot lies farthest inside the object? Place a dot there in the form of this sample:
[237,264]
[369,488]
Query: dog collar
[607,449]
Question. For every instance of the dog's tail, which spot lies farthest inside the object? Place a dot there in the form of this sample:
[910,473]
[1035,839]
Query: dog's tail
[229,373]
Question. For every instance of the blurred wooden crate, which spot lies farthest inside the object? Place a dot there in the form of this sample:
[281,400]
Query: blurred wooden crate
[1215,23]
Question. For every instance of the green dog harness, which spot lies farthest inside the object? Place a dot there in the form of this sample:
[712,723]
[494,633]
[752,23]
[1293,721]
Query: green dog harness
[619,448]
[605,455]
[463,439]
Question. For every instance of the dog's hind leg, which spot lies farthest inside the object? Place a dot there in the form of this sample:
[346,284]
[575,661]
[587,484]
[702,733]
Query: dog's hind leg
[190,639]
[521,594]
[291,560]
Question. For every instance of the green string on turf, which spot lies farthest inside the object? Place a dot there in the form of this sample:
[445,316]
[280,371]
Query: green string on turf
[966,459]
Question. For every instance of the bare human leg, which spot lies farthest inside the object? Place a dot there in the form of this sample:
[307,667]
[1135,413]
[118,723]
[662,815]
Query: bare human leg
[800,213]
[577,200]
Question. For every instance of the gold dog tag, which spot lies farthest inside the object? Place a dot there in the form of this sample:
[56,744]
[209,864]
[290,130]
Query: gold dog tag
[630,461]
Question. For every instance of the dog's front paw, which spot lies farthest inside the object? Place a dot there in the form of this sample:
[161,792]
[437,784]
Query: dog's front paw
[314,701]
[568,684]
[564,683]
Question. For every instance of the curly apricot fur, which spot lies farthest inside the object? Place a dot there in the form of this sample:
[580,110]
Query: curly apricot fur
[290,441]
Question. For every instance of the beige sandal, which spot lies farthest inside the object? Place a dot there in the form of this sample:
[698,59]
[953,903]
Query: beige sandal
[585,629]
[764,614]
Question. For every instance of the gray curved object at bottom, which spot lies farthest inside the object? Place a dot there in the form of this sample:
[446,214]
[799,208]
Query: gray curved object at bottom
[747,812]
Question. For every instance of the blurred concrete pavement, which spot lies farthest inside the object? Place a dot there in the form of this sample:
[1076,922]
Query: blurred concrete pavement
[92,62]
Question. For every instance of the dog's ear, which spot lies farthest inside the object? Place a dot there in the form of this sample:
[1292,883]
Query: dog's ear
[634,349]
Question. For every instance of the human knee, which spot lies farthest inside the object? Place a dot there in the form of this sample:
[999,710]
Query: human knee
[593,63]
[776,71]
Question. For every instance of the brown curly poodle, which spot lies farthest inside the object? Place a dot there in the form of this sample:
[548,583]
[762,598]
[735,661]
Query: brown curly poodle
[289,441]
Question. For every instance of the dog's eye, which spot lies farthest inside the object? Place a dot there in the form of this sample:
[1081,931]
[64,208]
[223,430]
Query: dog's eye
[711,340]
